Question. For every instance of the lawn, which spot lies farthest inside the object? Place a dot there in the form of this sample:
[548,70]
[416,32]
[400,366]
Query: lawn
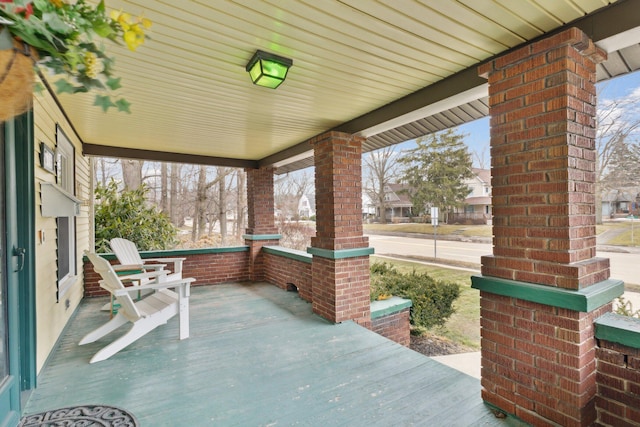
[464,325]
[456,229]
[627,233]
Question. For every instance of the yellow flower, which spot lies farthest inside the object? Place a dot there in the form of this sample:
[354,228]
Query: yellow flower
[134,37]
[91,65]
[133,34]
[57,3]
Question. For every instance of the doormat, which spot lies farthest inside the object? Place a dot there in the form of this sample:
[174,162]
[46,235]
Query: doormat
[81,416]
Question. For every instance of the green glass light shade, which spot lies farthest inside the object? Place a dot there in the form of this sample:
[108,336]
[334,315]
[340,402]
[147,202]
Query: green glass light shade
[267,69]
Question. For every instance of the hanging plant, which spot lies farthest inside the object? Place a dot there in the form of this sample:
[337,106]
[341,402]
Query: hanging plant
[67,39]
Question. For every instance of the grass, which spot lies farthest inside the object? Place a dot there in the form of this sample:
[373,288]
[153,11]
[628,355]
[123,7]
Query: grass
[629,233]
[457,229]
[464,325]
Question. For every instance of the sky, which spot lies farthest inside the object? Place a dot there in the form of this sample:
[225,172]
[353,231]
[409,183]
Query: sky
[478,131]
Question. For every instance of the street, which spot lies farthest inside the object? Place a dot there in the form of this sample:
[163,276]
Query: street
[623,265]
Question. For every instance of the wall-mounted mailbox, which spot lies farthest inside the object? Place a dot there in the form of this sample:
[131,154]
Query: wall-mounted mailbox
[57,202]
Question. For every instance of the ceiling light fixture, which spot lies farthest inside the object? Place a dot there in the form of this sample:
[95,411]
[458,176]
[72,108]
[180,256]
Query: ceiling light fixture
[267,69]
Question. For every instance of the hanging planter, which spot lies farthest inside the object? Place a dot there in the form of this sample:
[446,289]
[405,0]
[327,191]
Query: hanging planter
[66,39]
[16,76]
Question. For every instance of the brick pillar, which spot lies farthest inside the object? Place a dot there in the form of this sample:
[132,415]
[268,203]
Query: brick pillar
[340,267]
[538,288]
[262,230]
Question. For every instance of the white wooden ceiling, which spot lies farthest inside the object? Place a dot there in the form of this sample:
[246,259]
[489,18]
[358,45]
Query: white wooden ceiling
[358,65]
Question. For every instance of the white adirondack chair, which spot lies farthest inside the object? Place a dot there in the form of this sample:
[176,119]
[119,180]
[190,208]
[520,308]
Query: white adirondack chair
[128,255]
[147,314]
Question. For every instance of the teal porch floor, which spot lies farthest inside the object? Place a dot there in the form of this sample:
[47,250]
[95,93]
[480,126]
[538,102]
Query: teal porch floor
[258,356]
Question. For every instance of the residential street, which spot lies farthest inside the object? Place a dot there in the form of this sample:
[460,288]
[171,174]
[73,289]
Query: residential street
[623,264]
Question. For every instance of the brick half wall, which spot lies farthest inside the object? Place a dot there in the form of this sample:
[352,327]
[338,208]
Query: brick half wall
[208,266]
[285,267]
[391,319]
[618,374]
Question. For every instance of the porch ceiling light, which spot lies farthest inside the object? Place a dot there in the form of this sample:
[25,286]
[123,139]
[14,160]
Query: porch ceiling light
[267,69]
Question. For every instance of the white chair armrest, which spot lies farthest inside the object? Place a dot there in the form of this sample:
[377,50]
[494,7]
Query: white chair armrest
[162,285]
[126,267]
[167,260]
[155,267]
[177,263]
[139,276]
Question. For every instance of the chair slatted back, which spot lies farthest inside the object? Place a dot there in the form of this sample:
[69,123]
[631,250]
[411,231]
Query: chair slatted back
[126,251]
[111,282]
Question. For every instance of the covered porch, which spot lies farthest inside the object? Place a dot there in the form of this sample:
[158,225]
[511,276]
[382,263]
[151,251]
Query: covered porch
[263,356]
[258,356]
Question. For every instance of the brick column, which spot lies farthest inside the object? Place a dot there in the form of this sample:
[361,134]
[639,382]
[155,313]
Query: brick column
[543,286]
[262,230]
[340,267]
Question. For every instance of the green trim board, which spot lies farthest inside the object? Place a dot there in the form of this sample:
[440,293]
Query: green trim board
[179,252]
[26,214]
[620,329]
[585,300]
[10,396]
[340,254]
[389,306]
[201,251]
[262,236]
[288,253]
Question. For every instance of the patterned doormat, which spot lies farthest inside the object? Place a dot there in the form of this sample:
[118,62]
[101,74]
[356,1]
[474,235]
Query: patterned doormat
[81,416]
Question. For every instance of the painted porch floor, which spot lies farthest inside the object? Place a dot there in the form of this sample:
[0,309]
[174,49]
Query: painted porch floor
[257,356]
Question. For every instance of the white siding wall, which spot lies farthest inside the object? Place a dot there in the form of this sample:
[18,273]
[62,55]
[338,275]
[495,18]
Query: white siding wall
[52,316]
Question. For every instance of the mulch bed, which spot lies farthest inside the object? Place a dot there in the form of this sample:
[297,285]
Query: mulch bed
[433,345]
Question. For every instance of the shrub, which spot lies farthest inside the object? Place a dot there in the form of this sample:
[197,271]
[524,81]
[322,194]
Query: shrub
[128,215]
[295,235]
[625,308]
[432,300]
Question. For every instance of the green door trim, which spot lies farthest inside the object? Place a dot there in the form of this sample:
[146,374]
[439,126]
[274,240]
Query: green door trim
[10,391]
[25,186]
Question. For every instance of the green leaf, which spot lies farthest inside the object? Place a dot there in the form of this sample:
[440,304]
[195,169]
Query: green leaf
[104,102]
[102,29]
[100,8]
[123,105]
[63,86]
[55,23]
[38,88]
[114,83]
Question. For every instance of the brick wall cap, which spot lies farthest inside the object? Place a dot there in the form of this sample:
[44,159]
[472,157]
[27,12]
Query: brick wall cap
[620,329]
[585,300]
[288,253]
[178,252]
[262,236]
[340,254]
[389,306]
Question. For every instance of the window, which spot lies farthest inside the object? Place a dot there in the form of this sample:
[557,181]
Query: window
[65,159]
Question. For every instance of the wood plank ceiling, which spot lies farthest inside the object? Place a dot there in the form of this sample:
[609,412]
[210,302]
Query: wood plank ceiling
[382,68]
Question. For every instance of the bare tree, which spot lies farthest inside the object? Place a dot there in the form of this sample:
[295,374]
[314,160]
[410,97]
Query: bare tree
[164,187]
[618,124]
[177,218]
[241,201]
[381,169]
[199,217]
[481,159]
[288,190]
[105,169]
[221,177]
[131,173]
